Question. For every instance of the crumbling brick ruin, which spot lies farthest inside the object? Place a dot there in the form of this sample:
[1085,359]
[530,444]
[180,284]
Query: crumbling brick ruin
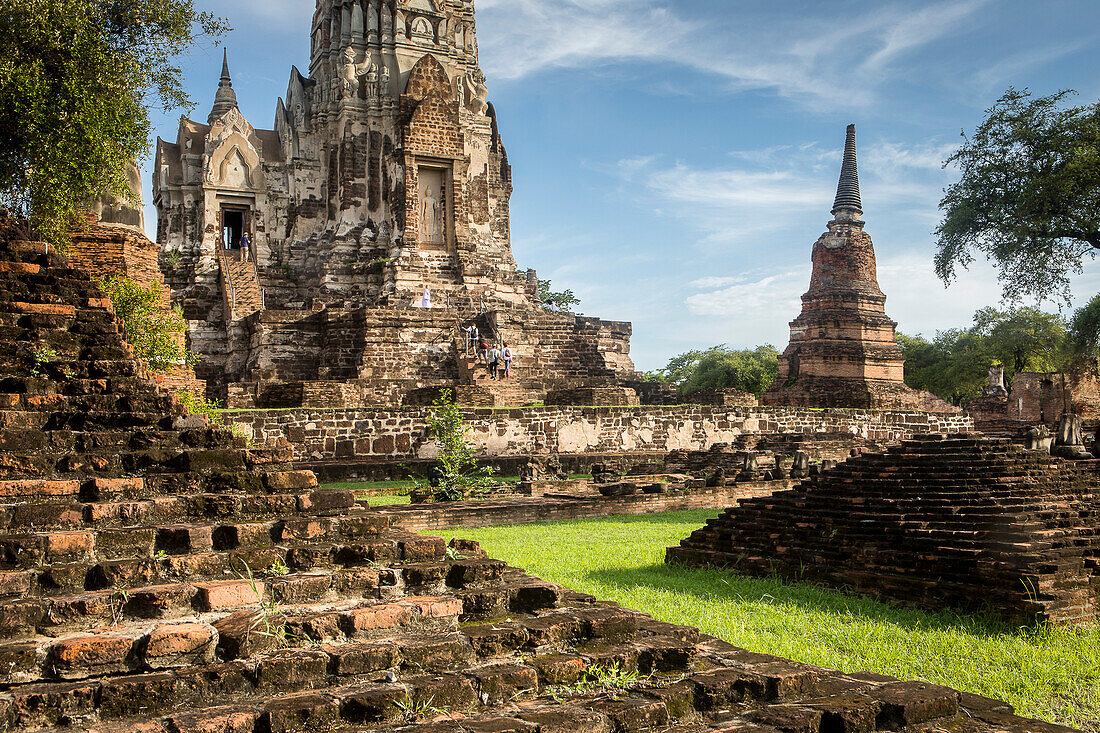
[385,179]
[159,577]
[961,521]
[843,350]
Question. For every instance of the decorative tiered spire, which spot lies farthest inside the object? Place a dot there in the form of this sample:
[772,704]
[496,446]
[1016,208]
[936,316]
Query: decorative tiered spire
[226,98]
[847,191]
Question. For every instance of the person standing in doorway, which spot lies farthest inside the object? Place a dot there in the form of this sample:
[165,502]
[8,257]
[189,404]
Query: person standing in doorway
[246,243]
[507,354]
[494,362]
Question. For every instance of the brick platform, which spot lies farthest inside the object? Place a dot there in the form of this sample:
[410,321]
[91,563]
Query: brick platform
[156,578]
[964,521]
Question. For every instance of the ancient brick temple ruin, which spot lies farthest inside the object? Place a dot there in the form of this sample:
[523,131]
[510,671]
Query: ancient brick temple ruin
[963,521]
[843,350]
[157,576]
[383,189]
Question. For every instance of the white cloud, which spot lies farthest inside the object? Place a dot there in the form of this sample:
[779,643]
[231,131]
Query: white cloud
[770,297]
[710,283]
[283,14]
[816,59]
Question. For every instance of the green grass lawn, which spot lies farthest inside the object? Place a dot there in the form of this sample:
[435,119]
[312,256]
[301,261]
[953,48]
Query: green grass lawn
[1044,673]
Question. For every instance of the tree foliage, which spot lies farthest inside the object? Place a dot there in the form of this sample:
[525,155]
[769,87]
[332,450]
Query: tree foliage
[720,367]
[460,476]
[565,300]
[1084,330]
[955,364]
[1029,196]
[75,76]
[155,332]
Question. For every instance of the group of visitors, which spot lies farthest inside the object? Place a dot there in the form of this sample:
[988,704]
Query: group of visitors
[493,357]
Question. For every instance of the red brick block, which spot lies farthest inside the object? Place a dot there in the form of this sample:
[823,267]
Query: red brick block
[91,654]
[221,594]
[171,645]
[432,607]
[229,719]
[34,488]
[373,618]
[49,309]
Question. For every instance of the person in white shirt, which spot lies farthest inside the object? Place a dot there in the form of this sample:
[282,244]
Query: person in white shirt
[494,361]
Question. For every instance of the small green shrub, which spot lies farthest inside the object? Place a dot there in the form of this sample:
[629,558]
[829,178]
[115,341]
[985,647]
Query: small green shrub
[460,477]
[155,333]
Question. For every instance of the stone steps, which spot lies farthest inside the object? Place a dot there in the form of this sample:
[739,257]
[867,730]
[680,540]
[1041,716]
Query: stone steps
[159,577]
[964,521]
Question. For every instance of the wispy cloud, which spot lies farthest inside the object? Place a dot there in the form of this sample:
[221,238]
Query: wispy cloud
[781,188]
[815,59]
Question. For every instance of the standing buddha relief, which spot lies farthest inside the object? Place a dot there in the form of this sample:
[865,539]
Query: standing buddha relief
[433,206]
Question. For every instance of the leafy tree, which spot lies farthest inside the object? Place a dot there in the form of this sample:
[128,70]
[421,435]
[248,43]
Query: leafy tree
[155,332]
[1084,330]
[74,78]
[720,367]
[955,364]
[460,475]
[1029,196]
[565,300]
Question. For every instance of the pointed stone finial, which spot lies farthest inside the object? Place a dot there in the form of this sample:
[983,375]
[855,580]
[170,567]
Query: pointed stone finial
[847,191]
[226,98]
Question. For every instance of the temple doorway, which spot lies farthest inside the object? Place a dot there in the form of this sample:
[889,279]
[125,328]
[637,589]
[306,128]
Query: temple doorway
[234,222]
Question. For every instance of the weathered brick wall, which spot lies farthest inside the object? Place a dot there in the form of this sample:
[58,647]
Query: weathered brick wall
[402,433]
[523,510]
[111,251]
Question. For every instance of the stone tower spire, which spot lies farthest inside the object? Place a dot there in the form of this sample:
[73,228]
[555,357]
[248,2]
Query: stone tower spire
[847,191]
[843,350]
[226,98]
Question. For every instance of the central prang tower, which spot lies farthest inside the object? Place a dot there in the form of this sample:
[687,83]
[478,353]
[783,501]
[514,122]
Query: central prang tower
[306,254]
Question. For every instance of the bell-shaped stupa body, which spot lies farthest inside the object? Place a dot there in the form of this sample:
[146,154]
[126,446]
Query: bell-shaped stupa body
[843,350]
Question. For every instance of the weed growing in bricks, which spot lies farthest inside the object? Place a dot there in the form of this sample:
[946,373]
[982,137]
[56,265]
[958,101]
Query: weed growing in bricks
[609,680]
[416,709]
[43,355]
[156,333]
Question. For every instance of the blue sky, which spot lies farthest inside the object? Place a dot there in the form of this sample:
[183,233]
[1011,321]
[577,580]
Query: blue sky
[675,160]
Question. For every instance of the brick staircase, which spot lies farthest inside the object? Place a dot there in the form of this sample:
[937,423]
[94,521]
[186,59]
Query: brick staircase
[241,283]
[156,576]
[476,385]
[961,521]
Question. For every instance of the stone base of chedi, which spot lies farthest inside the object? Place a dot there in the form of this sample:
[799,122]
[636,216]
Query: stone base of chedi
[158,578]
[962,521]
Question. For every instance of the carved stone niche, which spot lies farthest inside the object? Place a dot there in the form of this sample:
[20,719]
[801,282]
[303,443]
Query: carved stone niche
[433,210]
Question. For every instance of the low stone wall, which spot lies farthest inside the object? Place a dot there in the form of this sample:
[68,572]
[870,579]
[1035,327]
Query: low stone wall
[528,510]
[401,433]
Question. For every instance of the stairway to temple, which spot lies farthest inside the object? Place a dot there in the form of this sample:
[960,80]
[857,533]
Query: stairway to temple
[476,385]
[242,284]
[158,576]
[964,521]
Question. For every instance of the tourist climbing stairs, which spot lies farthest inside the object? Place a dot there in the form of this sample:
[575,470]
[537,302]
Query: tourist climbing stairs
[241,284]
[477,383]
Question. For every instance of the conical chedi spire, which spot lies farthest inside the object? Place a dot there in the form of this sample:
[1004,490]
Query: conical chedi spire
[226,98]
[847,191]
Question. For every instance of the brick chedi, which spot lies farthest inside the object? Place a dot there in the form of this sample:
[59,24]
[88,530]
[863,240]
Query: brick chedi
[156,577]
[962,521]
[385,179]
[843,350]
